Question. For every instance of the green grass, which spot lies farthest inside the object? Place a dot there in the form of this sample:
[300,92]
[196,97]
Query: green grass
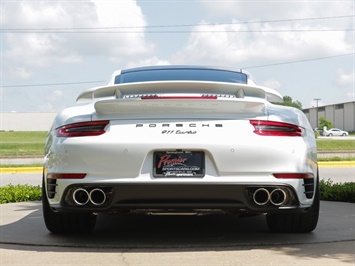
[22,143]
[25,165]
[333,145]
[336,159]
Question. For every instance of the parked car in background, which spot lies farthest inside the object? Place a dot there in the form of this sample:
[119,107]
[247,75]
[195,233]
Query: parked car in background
[336,132]
[319,131]
[180,139]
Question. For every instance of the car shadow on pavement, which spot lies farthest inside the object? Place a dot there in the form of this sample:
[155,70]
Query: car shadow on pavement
[22,228]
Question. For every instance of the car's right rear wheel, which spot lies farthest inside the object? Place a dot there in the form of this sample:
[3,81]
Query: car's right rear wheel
[61,223]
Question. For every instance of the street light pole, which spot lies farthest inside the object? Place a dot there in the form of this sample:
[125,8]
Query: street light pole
[317,100]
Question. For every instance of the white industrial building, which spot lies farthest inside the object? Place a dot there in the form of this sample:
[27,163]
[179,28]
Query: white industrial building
[15,121]
[341,115]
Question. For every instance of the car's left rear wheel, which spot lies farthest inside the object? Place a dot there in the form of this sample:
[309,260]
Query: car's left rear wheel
[61,223]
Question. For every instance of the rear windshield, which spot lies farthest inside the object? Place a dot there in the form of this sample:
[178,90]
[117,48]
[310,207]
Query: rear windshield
[182,74]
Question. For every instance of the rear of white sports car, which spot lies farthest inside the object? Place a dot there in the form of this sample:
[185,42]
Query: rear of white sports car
[180,140]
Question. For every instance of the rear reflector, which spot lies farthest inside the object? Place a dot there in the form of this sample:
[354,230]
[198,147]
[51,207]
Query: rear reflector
[66,176]
[84,129]
[272,128]
[294,175]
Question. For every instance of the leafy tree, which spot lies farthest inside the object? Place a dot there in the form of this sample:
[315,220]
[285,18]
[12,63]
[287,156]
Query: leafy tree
[323,122]
[289,102]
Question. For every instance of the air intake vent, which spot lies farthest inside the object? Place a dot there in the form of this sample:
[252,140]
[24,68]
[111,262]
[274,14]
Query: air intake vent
[308,187]
[51,187]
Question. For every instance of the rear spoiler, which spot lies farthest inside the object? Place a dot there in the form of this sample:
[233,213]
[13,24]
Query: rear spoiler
[180,108]
[128,90]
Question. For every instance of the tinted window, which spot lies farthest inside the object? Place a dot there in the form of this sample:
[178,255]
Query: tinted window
[182,74]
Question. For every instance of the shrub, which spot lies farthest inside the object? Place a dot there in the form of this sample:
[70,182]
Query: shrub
[19,193]
[330,191]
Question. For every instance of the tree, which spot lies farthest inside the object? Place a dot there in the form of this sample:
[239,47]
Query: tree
[323,122]
[289,102]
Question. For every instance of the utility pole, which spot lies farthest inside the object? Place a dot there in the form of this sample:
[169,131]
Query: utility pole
[317,100]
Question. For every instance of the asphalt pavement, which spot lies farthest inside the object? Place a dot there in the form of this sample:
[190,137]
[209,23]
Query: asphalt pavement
[176,240]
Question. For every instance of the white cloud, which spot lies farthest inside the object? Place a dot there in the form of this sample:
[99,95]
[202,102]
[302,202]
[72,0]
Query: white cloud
[272,83]
[351,95]
[346,78]
[46,49]
[152,61]
[277,9]
[230,44]
[18,73]
[246,44]
[53,102]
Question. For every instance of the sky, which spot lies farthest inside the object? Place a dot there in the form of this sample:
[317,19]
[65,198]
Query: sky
[50,51]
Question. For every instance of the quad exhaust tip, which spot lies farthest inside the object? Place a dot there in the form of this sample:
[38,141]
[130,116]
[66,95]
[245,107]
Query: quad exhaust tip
[82,197]
[276,197]
[97,196]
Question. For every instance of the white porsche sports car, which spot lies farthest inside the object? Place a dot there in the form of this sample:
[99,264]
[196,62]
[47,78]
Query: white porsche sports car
[180,139]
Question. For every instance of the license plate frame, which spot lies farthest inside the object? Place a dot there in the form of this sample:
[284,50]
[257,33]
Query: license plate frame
[179,164]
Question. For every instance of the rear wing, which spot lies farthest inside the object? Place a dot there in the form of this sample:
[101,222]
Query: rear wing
[179,108]
[144,89]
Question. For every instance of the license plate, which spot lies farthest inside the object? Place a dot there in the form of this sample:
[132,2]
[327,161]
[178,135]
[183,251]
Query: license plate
[179,164]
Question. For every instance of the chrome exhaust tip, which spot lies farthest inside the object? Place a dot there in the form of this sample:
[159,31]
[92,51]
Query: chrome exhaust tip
[81,196]
[278,197]
[261,196]
[97,196]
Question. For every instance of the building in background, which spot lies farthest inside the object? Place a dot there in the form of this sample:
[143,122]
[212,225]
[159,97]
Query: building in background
[341,115]
[15,121]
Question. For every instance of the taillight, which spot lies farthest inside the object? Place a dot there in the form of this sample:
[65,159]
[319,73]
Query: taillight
[92,128]
[66,176]
[294,175]
[272,128]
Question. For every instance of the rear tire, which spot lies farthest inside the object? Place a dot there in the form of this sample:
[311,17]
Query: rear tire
[61,223]
[303,222]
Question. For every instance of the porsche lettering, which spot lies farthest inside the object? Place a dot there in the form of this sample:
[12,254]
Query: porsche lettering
[178,125]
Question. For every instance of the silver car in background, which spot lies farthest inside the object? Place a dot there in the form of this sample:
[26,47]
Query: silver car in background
[336,132]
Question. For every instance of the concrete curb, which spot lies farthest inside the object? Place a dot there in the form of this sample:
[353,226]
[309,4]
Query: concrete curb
[15,170]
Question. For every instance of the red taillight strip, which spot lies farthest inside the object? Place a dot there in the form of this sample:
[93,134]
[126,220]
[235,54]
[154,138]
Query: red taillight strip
[294,175]
[83,129]
[156,97]
[272,128]
[66,176]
